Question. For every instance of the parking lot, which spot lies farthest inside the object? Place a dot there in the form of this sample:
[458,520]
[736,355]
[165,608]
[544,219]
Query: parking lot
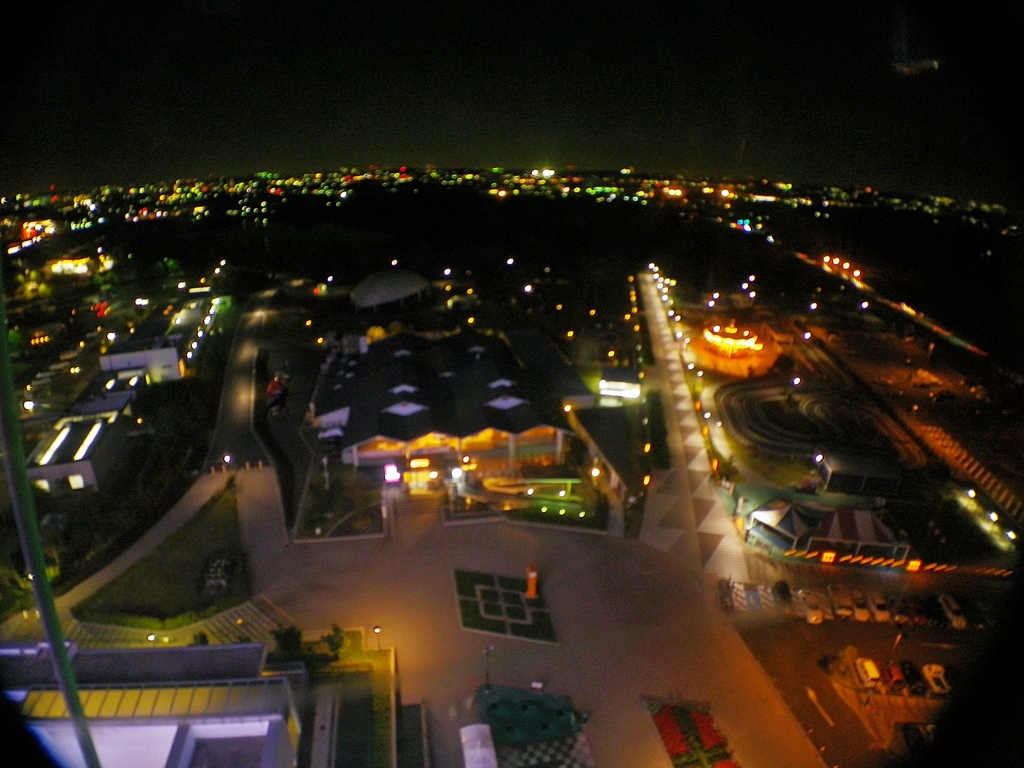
[854,726]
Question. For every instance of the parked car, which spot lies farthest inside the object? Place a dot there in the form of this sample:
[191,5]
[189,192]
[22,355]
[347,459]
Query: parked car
[935,676]
[975,613]
[879,608]
[860,606]
[810,603]
[951,608]
[934,611]
[915,609]
[915,680]
[842,603]
[867,672]
[897,610]
[811,596]
[893,679]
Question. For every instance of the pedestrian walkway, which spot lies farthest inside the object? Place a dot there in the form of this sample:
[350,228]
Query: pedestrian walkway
[720,549]
[254,621]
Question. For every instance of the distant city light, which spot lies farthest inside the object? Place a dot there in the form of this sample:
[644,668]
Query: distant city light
[510,261]
[394,262]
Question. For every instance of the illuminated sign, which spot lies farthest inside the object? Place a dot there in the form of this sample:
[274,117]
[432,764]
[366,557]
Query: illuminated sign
[419,463]
[391,474]
[914,565]
[828,557]
[619,389]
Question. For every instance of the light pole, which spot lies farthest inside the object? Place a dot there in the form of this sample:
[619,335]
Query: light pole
[376,631]
[487,666]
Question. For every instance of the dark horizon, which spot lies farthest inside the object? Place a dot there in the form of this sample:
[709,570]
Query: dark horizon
[121,96]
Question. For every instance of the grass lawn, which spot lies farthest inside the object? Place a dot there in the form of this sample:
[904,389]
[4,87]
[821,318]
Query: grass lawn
[781,471]
[167,589]
[351,507]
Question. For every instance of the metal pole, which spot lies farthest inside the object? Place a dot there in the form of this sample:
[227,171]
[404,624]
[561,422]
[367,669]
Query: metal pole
[31,544]
[487,666]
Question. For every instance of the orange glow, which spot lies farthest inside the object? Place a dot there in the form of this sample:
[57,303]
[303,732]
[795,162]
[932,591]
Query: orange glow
[828,557]
[914,565]
[731,341]
[419,463]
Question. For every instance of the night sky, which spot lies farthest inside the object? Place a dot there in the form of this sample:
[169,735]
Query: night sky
[133,93]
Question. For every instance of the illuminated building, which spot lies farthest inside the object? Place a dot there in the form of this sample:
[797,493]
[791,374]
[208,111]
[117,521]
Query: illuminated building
[78,452]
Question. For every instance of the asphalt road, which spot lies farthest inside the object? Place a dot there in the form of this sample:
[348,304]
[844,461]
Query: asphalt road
[789,650]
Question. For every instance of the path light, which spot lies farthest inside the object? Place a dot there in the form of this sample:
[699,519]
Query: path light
[227,458]
[376,631]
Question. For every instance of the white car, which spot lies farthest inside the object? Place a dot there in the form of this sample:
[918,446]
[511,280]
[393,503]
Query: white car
[951,608]
[860,607]
[809,596]
[810,604]
[842,603]
[879,608]
[935,676]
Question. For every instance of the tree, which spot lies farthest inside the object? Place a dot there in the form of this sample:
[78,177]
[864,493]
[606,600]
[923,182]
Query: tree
[289,640]
[335,640]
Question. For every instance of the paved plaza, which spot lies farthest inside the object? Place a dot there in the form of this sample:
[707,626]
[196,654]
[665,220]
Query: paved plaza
[634,620]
